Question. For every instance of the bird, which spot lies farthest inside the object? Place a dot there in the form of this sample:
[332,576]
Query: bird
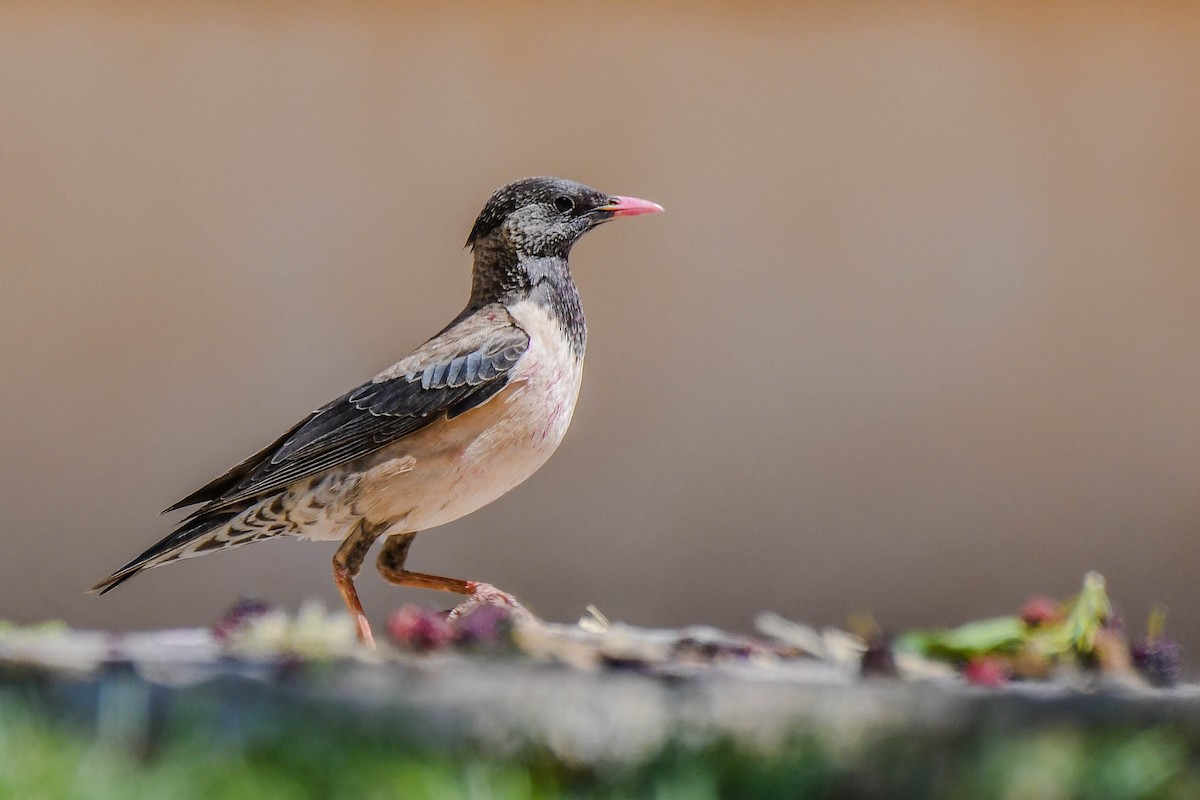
[449,428]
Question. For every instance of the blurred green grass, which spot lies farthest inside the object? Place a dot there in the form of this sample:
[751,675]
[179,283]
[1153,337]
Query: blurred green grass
[41,759]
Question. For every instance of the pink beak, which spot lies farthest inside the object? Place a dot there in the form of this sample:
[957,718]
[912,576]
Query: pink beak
[629,206]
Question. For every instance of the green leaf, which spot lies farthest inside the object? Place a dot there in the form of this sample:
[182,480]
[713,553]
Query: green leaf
[1088,613]
[969,640]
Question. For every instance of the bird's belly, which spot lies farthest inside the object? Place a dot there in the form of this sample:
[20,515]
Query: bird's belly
[456,466]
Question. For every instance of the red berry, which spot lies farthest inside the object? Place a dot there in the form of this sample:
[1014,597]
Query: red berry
[419,628]
[987,671]
[1041,611]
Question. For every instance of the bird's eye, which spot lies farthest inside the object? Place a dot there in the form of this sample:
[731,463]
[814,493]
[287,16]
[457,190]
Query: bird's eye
[564,204]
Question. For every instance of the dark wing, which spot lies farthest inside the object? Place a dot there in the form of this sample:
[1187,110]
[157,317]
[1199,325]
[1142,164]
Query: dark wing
[451,373]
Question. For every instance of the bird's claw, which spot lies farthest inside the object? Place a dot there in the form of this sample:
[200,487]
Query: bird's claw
[484,594]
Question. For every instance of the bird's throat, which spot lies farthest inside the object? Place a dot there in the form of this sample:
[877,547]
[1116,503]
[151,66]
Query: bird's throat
[561,299]
[503,276]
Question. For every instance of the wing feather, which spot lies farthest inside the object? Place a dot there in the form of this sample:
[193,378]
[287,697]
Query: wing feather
[457,370]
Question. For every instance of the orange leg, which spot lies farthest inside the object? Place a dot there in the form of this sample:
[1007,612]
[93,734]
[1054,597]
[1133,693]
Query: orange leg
[391,567]
[347,562]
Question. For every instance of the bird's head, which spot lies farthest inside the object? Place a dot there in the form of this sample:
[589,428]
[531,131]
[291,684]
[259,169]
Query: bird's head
[544,217]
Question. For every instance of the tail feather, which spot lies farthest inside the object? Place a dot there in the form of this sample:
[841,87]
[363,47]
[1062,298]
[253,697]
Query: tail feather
[188,533]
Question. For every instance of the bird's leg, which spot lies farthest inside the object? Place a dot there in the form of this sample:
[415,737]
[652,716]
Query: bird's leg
[347,561]
[391,567]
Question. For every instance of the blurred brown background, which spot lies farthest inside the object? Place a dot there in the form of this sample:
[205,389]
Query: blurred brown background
[918,333]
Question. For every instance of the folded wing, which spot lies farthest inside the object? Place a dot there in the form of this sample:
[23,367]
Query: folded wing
[454,372]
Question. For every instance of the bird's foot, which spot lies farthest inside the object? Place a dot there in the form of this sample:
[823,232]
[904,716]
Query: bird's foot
[484,594]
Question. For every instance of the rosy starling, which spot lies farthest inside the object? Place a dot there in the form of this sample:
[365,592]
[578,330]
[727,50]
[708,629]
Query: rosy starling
[446,430]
